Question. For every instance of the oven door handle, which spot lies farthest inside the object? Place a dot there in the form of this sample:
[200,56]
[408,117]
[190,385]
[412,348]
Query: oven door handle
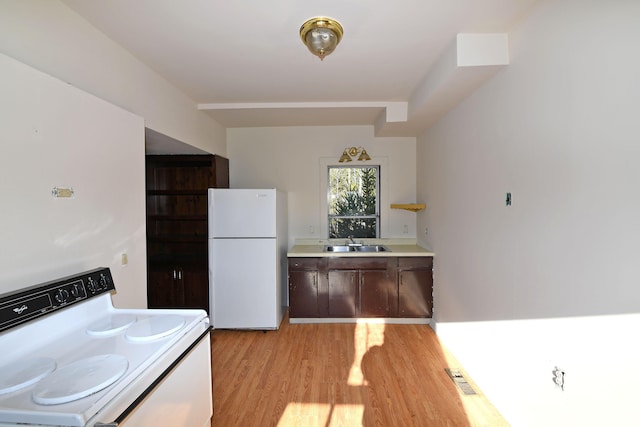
[153,385]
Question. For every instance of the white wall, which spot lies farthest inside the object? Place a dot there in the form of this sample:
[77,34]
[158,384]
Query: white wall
[49,36]
[53,134]
[292,159]
[553,279]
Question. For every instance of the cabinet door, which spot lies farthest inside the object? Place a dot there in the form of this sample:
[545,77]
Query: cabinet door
[194,287]
[162,287]
[376,293]
[415,297]
[342,293]
[303,293]
[178,287]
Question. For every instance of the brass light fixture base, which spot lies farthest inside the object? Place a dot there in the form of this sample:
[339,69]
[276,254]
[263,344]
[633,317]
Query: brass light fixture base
[350,152]
[321,35]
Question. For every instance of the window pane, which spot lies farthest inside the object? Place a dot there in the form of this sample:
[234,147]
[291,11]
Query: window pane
[362,228]
[353,202]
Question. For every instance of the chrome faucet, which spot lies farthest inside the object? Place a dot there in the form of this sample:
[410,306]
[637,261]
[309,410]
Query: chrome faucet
[352,242]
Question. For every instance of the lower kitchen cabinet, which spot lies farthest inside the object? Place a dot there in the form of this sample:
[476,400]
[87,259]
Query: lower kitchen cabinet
[178,286]
[304,300]
[415,287]
[342,293]
[377,294]
[361,287]
[350,287]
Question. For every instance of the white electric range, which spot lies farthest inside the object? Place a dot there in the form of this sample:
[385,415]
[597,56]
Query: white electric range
[69,358]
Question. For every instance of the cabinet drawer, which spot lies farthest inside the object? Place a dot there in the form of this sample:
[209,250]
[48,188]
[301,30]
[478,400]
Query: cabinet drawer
[303,263]
[356,263]
[415,263]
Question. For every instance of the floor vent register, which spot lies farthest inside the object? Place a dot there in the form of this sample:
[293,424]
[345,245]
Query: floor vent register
[460,381]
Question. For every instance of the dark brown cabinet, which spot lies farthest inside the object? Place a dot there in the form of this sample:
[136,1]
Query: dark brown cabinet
[348,287]
[177,224]
[304,300]
[376,294]
[173,286]
[343,293]
[361,287]
[415,287]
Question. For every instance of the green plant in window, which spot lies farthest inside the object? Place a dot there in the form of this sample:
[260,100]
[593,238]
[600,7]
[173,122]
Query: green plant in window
[353,202]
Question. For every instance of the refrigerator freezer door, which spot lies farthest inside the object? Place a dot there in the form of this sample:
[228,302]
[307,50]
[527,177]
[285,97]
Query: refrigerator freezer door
[238,213]
[244,281]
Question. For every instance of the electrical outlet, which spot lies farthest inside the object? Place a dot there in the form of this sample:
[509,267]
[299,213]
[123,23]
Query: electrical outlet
[558,377]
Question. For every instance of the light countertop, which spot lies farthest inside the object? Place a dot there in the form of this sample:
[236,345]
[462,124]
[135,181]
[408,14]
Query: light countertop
[397,248]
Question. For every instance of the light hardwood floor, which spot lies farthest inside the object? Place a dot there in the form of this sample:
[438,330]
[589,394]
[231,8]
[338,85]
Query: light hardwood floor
[340,375]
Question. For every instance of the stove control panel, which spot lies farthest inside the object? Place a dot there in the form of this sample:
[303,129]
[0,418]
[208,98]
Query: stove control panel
[27,304]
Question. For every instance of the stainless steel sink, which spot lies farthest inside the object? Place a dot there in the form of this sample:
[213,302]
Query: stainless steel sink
[356,248]
[372,248]
[339,248]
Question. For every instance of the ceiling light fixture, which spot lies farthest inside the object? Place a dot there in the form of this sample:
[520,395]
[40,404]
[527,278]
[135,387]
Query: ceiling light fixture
[321,35]
[349,153]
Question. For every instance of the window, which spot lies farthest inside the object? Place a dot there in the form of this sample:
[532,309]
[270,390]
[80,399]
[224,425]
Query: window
[353,201]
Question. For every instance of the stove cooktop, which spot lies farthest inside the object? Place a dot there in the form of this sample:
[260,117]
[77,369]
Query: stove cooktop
[70,359]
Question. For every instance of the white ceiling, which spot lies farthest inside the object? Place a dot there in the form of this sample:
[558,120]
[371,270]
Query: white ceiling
[242,61]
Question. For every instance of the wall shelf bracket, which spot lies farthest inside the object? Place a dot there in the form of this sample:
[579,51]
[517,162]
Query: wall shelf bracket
[413,207]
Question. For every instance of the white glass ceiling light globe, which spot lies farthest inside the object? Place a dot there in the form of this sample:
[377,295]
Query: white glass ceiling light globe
[321,35]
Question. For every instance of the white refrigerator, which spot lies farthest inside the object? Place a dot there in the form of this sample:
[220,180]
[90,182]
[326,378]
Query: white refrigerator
[247,258]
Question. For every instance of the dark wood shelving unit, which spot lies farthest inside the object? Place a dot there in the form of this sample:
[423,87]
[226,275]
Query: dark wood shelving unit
[177,223]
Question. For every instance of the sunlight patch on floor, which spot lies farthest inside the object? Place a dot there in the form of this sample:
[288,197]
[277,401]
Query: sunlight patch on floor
[366,335]
[321,414]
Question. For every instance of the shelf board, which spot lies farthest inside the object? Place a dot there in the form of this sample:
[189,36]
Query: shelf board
[177,192]
[162,259]
[177,238]
[414,207]
[176,218]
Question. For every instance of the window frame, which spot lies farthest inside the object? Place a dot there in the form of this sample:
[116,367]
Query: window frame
[322,205]
[377,215]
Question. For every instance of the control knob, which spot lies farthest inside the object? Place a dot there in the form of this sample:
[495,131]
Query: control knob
[91,284]
[75,291]
[62,295]
[104,282]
